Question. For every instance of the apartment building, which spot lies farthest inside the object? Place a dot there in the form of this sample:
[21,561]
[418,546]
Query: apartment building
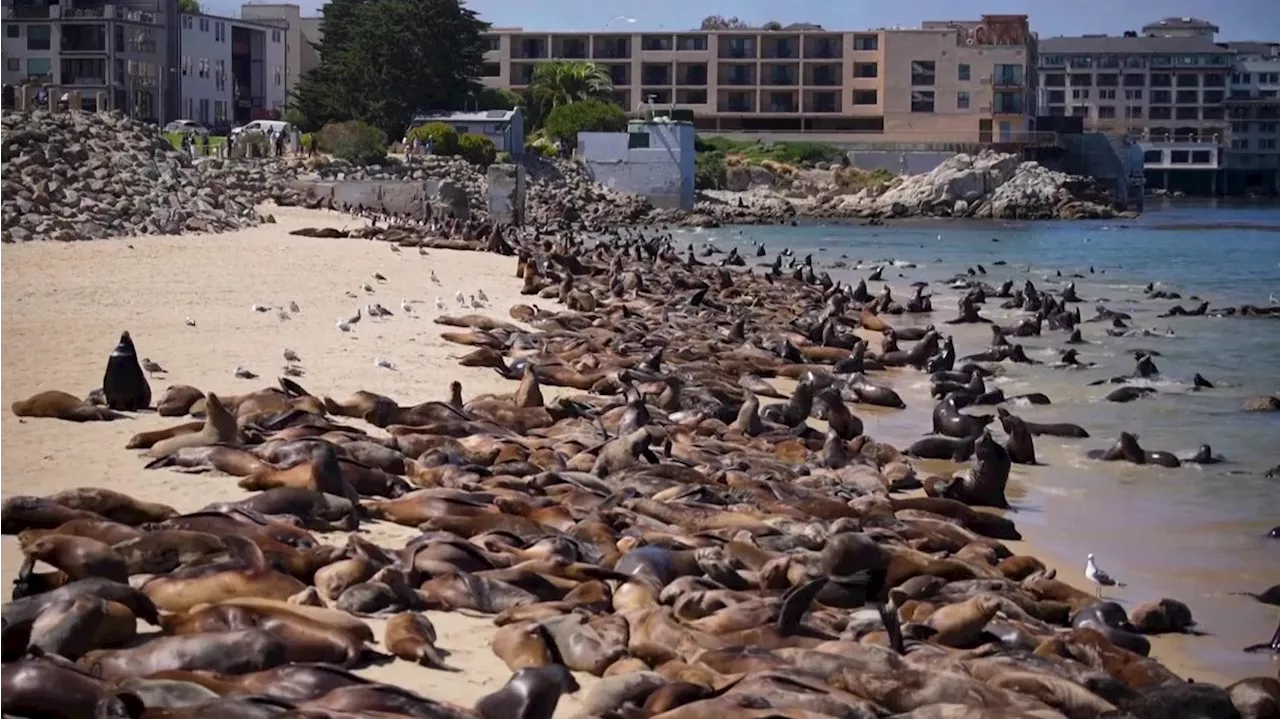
[1253,109]
[232,70]
[301,34]
[1159,86]
[947,81]
[121,54]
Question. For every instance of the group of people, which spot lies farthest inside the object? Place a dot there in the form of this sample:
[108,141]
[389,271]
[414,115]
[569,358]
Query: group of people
[279,143]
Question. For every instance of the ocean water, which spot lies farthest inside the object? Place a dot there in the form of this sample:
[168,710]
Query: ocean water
[1195,533]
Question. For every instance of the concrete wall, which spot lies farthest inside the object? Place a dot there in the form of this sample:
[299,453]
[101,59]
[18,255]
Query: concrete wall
[397,198]
[507,193]
[663,172]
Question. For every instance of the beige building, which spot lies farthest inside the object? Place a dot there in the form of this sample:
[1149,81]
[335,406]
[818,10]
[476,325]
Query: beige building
[301,33]
[948,81]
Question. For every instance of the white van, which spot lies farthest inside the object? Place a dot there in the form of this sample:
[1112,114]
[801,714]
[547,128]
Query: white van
[274,127]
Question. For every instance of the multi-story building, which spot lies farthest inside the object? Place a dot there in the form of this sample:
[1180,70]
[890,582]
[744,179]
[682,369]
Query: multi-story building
[1253,108]
[948,81]
[233,70]
[119,53]
[302,33]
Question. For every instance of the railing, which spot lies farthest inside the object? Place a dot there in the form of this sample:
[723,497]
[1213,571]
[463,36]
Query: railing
[141,46]
[738,53]
[72,46]
[612,53]
[962,139]
[84,80]
[86,12]
[1183,139]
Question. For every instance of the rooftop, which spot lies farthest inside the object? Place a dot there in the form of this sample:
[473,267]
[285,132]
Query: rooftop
[1114,44]
[1181,23]
[481,116]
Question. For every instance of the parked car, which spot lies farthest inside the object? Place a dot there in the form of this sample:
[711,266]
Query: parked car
[186,127]
[275,127]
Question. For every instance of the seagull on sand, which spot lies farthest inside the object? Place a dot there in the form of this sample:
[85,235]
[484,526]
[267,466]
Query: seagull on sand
[434,279]
[261,308]
[152,368]
[294,308]
[406,307]
[367,287]
[440,304]
[291,356]
[191,322]
[476,304]
[384,363]
[379,277]
[344,325]
[243,373]
[422,250]
[293,370]
[458,296]
[483,297]
[395,247]
[283,316]
[354,319]
[1099,577]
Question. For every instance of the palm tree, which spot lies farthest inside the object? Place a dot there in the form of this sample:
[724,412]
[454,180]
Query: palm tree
[565,81]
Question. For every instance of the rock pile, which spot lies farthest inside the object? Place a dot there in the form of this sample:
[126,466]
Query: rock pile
[84,176]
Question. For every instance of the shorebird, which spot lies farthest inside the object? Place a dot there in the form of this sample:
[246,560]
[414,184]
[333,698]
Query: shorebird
[344,326]
[434,279]
[354,319]
[151,367]
[243,373]
[282,315]
[476,304]
[384,363]
[190,322]
[260,308]
[1099,577]
[291,356]
[367,287]
[293,370]
[395,247]
[293,307]
[458,296]
[422,251]
[440,304]
[483,297]
[406,307]
[378,276]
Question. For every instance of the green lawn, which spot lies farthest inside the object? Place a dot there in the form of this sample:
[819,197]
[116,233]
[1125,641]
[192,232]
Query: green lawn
[175,139]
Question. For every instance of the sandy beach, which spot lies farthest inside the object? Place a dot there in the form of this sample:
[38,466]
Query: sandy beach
[64,306]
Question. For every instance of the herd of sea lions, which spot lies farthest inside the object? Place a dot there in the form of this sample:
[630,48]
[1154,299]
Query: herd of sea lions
[653,524]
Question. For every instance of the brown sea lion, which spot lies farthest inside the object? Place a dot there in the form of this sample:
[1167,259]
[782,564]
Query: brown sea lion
[307,639]
[248,575]
[24,512]
[103,530]
[163,550]
[72,627]
[113,505]
[234,652]
[412,637]
[39,687]
[55,404]
[531,693]
[148,439]
[177,400]
[78,557]
[219,428]
[528,394]
[960,625]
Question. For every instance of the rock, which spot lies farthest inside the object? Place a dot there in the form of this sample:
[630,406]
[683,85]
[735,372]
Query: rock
[737,178]
[761,177]
[1166,615]
[1265,403]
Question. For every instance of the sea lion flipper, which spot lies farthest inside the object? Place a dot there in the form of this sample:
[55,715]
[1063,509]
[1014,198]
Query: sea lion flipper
[796,603]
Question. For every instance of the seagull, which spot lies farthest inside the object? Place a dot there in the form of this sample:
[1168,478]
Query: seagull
[152,368]
[395,248]
[384,363]
[1099,577]
[460,298]
[404,305]
[293,307]
[284,316]
[434,279]
[483,297]
[368,287]
[422,250]
[379,277]
[293,370]
[344,326]
[291,356]
[1273,299]
[476,303]
[191,322]
[440,304]
[351,294]
[243,373]
[354,318]
[261,308]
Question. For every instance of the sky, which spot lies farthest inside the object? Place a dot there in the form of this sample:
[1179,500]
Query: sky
[1238,19]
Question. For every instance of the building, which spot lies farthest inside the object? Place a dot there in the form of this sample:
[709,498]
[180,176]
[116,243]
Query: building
[504,128]
[952,81]
[1253,109]
[117,55]
[301,36]
[653,159]
[232,70]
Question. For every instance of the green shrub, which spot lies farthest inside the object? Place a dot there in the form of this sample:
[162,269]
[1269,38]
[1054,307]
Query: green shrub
[852,179]
[443,138]
[503,157]
[541,146]
[476,149]
[566,121]
[356,142]
[709,171]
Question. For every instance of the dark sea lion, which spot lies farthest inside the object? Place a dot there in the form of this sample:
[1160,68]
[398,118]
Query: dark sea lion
[234,652]
[113,505]
[1163,616]
[412,637]
[1129,393]
[1059,429]
[103,530]
[1127,448]
[950,421]
[529,694]
[72,627]
[177,400]
[28,608]
[1203,455]
[78,557]
[1256,697]
[320,511]
[39,687]
[124,384]
[939,447]
[164,550]
[1020,445]
[24,512]
[219,428]
[61,405]
[984,484]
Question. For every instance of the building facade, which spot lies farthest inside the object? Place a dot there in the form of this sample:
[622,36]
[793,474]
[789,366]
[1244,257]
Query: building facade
[301,35]
[1253,108]
[949,81]
[120,54]
[233,71]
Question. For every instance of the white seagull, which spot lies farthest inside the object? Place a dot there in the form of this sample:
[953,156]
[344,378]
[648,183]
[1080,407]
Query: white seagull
[384,363]
[483,297]
[440,304]
[404,305]
[291,356]
[1099,577]
[260,308]
[344,326]
[191,322]
[458,296]
[434,279]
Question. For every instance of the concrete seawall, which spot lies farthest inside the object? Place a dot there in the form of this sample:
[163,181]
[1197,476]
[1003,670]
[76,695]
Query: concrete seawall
[411,198]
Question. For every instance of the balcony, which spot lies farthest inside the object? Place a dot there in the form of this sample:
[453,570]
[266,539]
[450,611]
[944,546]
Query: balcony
[142,47]
[528,49]
[823,48]
[653,74]
[619,75]
[738,75]
[779,75]
[736,102]
[84,44]
[25,11]
[82,80]
[823,76]
[1007,78]
[657,43]
[691,74]
[569,48]
[1008,103]
[782,48]
[612,49]
[738,48]
[87,12]
[825,101]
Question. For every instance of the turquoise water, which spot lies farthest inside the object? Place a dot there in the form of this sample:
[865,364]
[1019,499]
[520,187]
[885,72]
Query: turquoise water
[1195,533]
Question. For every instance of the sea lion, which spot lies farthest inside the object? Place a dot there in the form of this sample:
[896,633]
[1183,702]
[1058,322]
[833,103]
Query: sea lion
[1058,429]
[412,637]
[984,484]
[72,627]
[958,625]
[233,652]
[24,512]
[103,530]
[113,505]
[939,447]
[1127,448]
[219,428]
[78,557]
[27,609]
[148,439]
[1129,393]
[42,687]
[1020,445]
[163,550]
[124,384]
[1165,615]
[950,421]
[531,693]
[62,405]
[1203,455]
[248,575]
[306,639]
[177,400]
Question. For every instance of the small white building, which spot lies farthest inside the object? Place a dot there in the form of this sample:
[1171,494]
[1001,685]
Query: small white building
[504,128]
[232,70]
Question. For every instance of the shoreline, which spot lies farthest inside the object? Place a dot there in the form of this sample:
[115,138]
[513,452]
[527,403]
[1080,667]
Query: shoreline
[69,354]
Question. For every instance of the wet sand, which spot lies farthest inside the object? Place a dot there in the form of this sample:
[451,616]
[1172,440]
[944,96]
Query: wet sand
[65,305]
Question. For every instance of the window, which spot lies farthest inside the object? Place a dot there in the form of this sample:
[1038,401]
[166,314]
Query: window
[1053,60]
[962,99]
[1135,61]
[1133,94]
[38,37]
[490,69]
[1187,113]
[1267,127]
[1161,61]
[204,67]
[1106,94]
[278,75]
[1187,97]
[1188,80]
[1085,80]
[865,97]
[1007,75]
[1106,112]
[1267,143]
[1133,113]
[204,110]
[1057,97]
[1057,111]
[1079,94]
[1201,157]
[12,30]
[866,42]
[1161,97]
[1161,113]
[922,101]
[922,73]
[13,64]
[219,110]
[1109,61]
[865,69]
[1241,143]
[1132,80]
[1081,62]
[38,66]
[689,43]
[657,42]
[1212,97]
[220,75]
[1161,79]
[276,35]
[492,44]
[1080,111]
[1055,79]
[1154,157]
[1215,80]
[964,75]
[1212,113]
[204,26]
[1179,157]
[1108,79]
